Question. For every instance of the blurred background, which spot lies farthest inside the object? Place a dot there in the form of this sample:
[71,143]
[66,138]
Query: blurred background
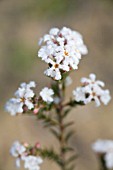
[22,23]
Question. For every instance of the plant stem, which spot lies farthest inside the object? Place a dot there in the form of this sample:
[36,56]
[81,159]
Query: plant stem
[103,164]
[61,125]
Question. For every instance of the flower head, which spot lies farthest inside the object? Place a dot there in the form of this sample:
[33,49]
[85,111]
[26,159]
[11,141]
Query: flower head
[62,51]
[24,96]
[91,90]
[23,152]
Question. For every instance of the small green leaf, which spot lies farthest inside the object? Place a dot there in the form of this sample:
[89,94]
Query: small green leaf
[69,135]
[74,103]
[47,120]
[52,155]
[66,112]
[68,124]
[71,158]
[55,133]
[67,149]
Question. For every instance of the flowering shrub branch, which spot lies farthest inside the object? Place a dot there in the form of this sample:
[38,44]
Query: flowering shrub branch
[62,51]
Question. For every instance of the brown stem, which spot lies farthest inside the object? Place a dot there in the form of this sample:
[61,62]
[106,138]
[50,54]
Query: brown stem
[61,126]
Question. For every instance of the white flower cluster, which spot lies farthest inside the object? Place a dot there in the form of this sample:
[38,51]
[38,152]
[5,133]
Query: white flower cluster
[105,147]
[91,90]
[24,96]
[62,51]
[30,162]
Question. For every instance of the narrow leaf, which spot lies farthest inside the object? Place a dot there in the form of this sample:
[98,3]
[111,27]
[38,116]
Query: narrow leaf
[55,133]
[67,149]
[52,155]
[69,135]
[72,158]
[66,112]
[68,124]
[74,103]
[47,119]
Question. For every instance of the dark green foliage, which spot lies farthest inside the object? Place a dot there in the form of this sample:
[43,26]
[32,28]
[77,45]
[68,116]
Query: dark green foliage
[103,163]
[74,103]
[47,120]
[67,149]
[50,154]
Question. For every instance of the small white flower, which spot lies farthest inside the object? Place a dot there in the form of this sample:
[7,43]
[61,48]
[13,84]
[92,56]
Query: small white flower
[92,80]
[105,97]
[14,106]
[17,150]
[79,94]
[24,96]
[91,90]
[54,70]
[32,162]
[24,93]
[47,94]
[65,48]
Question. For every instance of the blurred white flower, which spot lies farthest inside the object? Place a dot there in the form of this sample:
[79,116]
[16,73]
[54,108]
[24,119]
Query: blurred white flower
[102,146]
[109,160]
[91,90]
[68,81]
[56,100]
[62,47]
[47,94]
[17,150]
[24,96]
[105,97]
[20,152]
[14,106]
[105,147]
[79,94]
[32,162]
